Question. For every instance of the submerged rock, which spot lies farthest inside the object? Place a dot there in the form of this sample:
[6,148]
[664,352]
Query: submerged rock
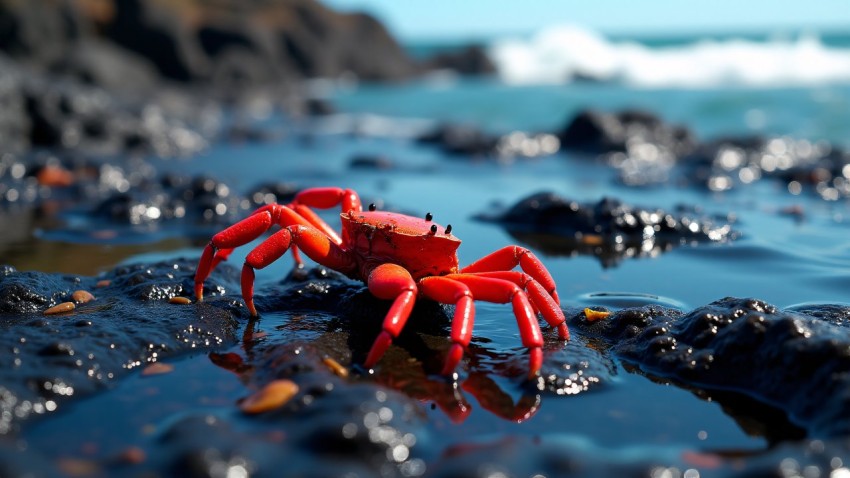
[608,229]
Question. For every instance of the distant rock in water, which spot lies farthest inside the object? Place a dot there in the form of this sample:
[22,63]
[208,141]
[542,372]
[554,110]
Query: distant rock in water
[803,166]
[599,132]
[608,229]
[471,60]
[470,142]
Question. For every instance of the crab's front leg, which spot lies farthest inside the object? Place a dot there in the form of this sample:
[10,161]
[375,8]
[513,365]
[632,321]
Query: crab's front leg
[391,282]
[311,241]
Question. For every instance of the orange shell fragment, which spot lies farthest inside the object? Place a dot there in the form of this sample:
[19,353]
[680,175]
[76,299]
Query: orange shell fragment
[82,296]
[157,368]
[274,395]
[55,176]
[60,308]
[594,315]
[335,367]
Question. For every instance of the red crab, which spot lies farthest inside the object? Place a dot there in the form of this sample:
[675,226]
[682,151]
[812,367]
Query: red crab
[399,257]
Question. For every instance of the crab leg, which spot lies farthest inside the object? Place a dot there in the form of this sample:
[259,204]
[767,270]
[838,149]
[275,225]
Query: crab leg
[243,232]
[236,235]
[312,241]
[317,222]
[502,291]
[391,282]
[448,291]
[326,198]
[542,301]
[509,257]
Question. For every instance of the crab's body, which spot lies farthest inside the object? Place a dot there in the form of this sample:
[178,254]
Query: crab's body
[377,237]
[399,257]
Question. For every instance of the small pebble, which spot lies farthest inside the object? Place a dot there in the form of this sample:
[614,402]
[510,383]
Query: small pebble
[60,308]
[274,395]
[592,240]
[82,296]
[132,456]
[180,300]
[77,467]
[336,367]
[55,176]
[103,283]
[157,368]
[594,315]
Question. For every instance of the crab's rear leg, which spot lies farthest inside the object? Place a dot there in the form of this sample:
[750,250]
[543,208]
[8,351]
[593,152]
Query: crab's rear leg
[503,291]
[326,198]
[448,291]
[391,282]
[509,257]
[311,241]
[540,299]
[241,233]
[223,243]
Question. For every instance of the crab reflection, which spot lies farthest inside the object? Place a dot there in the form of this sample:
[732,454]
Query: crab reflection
[495,380]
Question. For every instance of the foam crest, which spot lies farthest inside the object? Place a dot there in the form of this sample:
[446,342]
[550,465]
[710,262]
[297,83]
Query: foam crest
[568,53]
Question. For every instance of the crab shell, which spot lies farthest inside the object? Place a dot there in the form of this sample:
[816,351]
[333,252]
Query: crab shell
[378,237]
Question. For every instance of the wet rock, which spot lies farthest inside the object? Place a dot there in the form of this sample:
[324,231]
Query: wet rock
[803,166]
[65,115]
[51,359]
[608,229]
[371,162]
[796,360]
[471,60]
[639,145]
[273,193]
[598,132]
[461,140]
[469,141]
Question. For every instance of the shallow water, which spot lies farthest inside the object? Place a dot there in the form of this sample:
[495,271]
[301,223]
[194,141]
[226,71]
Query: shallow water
[779,258]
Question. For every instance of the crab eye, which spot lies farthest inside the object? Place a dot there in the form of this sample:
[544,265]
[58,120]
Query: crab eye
[434,229]
[372,207]
[428,216]
[448,229]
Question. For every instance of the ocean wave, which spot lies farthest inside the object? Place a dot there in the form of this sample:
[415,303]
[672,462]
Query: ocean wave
[569,53]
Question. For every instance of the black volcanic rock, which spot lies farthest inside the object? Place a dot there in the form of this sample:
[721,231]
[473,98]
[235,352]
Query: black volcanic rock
[598,132]
[795,359]
[471,60]
[607,229]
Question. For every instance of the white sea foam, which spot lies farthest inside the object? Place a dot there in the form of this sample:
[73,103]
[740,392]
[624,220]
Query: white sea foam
[566,53]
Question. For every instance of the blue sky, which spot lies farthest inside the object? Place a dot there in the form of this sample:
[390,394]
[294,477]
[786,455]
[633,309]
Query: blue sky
[429,19]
